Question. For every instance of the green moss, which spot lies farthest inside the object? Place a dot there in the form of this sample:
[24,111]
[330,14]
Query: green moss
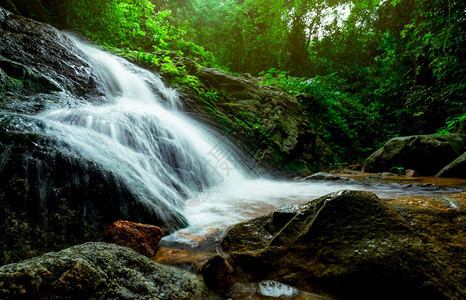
[11,84]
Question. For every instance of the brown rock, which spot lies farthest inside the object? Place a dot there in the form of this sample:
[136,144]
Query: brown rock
[142,238]
[411,173]
[218,272]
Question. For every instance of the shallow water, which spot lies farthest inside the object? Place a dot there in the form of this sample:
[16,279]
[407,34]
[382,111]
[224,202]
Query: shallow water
[233,202]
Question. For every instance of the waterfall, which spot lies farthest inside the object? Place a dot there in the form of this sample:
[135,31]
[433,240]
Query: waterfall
[139,134]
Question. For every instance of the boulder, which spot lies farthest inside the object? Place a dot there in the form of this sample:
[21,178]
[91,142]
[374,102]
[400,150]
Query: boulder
[97,271]
[427,154]
[326,177]
[411,173]
[142,238]
[455,169]
[349,244]
[263,121]
[438,219]
[52,199]
[38,63]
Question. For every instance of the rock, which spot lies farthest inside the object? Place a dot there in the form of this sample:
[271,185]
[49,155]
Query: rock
[411,173]
[438,220]
[349,172]
[355,167]
[427,154]
[387,174]
[52,200]
[349,244]
[51,197]
[326,176]
[218,273]
[455,169]
[264,121]
[142,238]
[185,258]
[97,271]
[37,63]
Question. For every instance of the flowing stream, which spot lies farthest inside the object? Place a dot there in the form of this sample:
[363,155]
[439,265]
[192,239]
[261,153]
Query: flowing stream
[169,160]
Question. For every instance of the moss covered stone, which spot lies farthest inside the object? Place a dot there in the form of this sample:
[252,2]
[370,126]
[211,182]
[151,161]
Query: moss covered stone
[349,244]
[427,154]
[97,271]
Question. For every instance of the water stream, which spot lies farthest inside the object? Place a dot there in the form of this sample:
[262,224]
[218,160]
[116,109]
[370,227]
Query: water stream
[169,160]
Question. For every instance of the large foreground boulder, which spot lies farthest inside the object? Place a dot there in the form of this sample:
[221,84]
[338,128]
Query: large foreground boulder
[97,271]
[349,244]
[427,154]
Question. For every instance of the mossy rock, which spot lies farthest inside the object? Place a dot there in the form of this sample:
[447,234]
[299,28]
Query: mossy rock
[97,271]
[427,154]
[455,169]
[349,244]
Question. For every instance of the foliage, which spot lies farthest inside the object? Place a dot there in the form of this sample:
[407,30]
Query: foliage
[397,170]
[338,116]
[132,24]
[455,125]
[175,72]
[364,71]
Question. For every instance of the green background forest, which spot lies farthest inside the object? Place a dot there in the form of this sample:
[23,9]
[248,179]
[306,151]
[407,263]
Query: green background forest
[364,71]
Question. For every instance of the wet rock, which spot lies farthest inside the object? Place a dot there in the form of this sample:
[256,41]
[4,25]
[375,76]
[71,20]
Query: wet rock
[455,169]
[218,273]
[439,221]
[142,238]
[36,58]
[97,271]
[51,199]
[349,244]
[326,176]
[411,173]
[184,258]
[427,154]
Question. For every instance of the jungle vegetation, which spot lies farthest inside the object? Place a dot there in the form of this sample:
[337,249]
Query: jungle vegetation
[364,70]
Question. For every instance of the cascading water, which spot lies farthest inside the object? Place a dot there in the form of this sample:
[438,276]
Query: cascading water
[169,161]
[139,135]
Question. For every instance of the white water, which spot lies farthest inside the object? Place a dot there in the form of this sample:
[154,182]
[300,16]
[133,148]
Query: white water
[140,135]
[169,160]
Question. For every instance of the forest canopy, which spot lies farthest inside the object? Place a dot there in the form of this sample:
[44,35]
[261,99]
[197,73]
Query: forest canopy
[364,70]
